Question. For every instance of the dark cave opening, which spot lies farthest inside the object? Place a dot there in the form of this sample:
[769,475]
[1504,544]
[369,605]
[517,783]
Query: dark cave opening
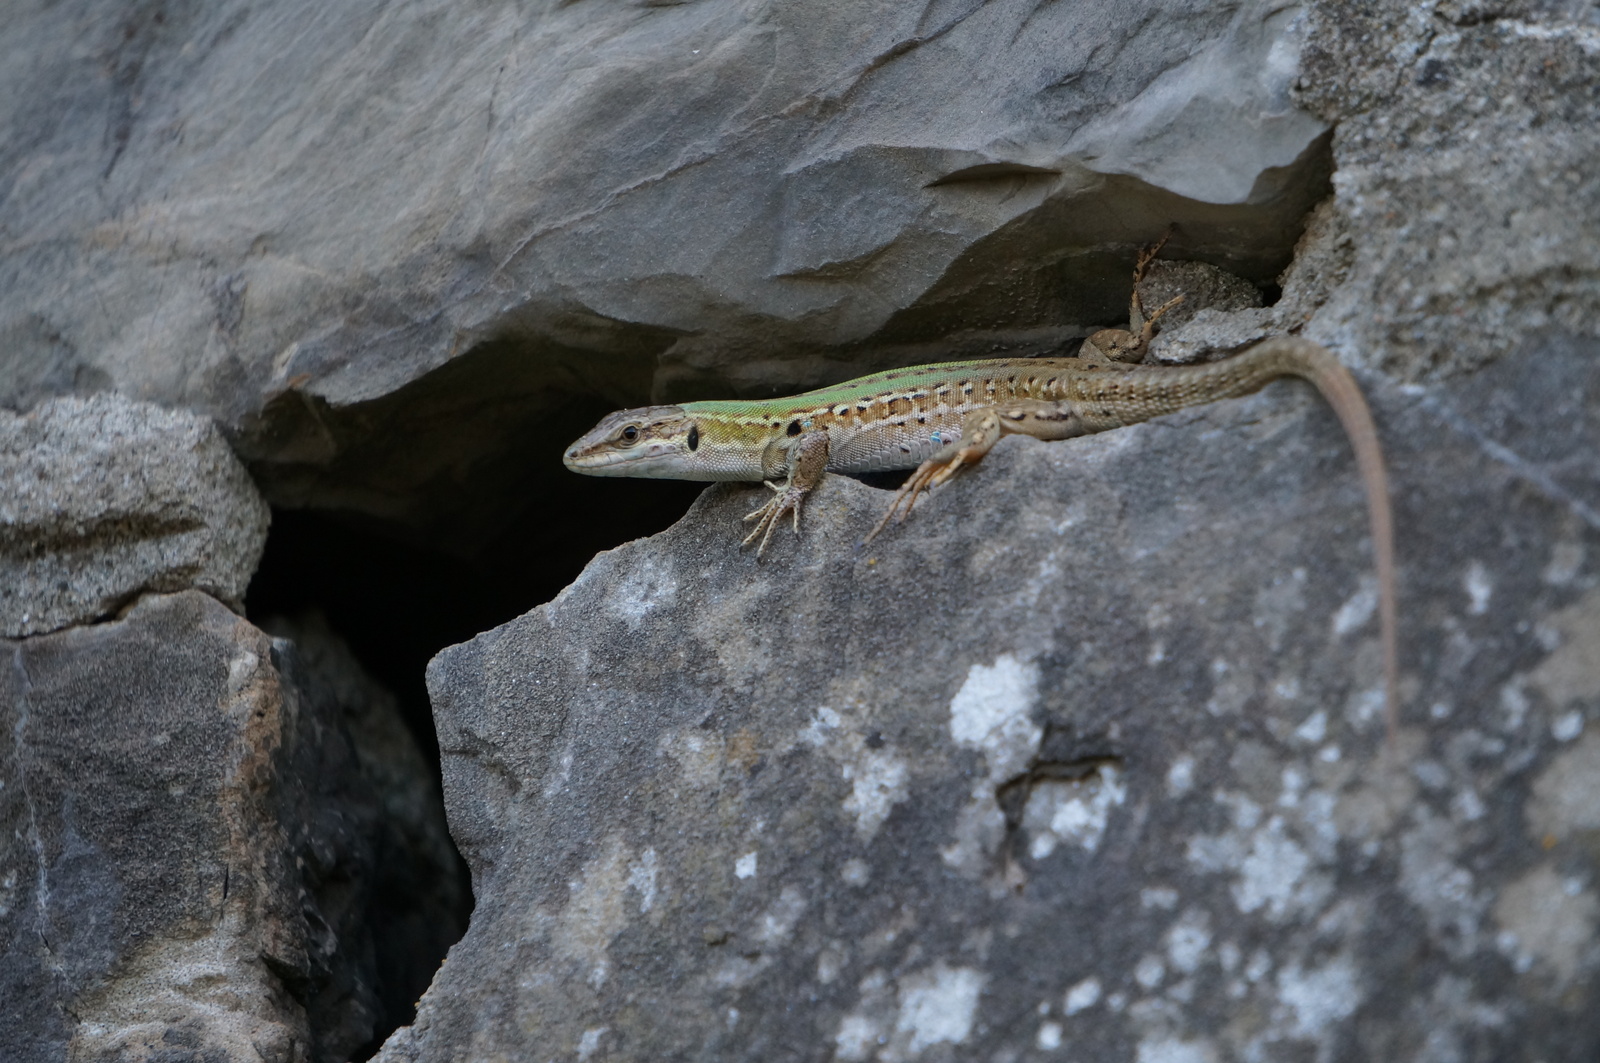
[396,604]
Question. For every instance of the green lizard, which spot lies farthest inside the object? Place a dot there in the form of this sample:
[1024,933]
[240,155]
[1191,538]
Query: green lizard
[938,419]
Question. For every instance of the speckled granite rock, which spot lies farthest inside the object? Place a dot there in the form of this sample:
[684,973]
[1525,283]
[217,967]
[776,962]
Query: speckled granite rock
[319,205]
[102,499]
[199,834]
[1084,762]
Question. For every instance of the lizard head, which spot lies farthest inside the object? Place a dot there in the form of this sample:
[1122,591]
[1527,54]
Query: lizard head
[652,441]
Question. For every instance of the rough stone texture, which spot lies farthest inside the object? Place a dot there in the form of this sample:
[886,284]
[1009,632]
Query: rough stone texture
[102,499]
[1086,761]
[1203,287]
[287,214]
[195,830]
[1466,216]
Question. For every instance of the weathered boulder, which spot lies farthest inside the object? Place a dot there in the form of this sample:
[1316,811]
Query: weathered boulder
[199,833]
[318,206]
[103,499]
[1085,760]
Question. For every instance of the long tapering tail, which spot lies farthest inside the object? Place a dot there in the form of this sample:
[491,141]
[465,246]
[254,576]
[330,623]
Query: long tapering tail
[1315,363]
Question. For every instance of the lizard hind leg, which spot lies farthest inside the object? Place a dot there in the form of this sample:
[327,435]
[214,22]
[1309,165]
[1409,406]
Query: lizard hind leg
[980,431]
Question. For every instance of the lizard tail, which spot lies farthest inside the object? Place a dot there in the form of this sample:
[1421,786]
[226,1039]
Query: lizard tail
[1315,363]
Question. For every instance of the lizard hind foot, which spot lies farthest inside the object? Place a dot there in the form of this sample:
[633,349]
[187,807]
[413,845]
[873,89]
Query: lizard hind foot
[930,474]
[900,508]
[979,432]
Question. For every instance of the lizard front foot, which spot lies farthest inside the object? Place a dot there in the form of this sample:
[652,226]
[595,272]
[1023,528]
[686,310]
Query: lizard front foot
[786,499]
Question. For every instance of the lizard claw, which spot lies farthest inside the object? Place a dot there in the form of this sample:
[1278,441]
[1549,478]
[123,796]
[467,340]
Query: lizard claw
[931,473]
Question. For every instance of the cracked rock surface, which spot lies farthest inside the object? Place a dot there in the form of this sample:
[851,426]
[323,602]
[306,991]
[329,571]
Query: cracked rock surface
[1086,758]
[102,499]
[208,841]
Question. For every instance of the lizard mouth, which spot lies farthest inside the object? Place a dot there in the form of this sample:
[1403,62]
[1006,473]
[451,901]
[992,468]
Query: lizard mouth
[593,463]
[607,462]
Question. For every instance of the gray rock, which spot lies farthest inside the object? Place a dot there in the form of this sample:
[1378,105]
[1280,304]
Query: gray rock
[1087,758]
[1466,218]
[103,499]
[198,839]
[1202,286]
[320,206]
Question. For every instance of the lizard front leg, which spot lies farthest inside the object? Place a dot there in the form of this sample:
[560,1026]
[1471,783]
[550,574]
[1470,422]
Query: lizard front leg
[980,431]
[808,463]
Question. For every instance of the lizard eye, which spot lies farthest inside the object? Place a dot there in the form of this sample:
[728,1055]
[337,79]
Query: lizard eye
[629,434]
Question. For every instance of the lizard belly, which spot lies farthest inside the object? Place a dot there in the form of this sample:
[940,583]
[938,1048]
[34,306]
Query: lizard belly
[890,445]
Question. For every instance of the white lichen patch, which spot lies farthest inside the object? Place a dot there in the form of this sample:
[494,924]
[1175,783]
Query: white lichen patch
[1084,995]
[1149,971]
[1180,777]
[1276,606]
[1314,729]
[1173,1050]
[1319,997]
[938,1006]
[1072,812]
[857,1038]
[1276,859]
[993,713]
[1276,874]
[1231,690]
[879,778]
[822,729]
[779,920]
[595,912]
[1552,921]
[745,866]
[1162,897]
[979,828]
[1359,608]
[935,1006]
[589,1042]
[1431,879]
[1566,561]
[1567,726]
[1188,941]
[649,584]
[642,878]
[878,782]
[1479,588]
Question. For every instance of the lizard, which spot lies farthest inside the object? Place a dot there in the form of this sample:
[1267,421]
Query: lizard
[940,418]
